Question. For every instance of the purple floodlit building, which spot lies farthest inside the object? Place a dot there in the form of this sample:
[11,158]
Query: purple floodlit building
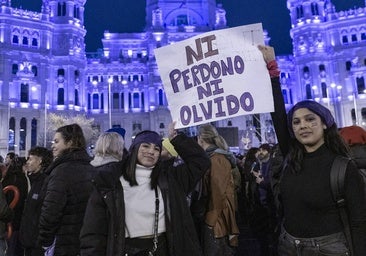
[44,68]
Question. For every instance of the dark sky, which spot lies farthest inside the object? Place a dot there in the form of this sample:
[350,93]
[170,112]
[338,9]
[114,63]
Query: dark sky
[129,16]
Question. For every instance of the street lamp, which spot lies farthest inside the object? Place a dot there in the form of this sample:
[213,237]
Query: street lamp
[110,80]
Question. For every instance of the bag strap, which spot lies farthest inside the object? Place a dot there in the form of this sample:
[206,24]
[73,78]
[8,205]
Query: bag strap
[337,178]
[156,224]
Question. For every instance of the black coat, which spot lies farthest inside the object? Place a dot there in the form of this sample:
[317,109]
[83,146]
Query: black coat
[68,188]
[32,211]
[103,230]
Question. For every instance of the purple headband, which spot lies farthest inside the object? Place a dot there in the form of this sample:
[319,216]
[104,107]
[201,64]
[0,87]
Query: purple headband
[324,113]
[147,137]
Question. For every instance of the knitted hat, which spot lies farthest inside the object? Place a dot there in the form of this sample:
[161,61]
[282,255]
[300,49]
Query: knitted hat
[169,147]
[315,107]
[146,137]
[353,135]
[118,130]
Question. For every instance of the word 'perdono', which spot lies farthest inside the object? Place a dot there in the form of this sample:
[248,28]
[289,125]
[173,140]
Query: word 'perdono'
[204,72]
[201,112]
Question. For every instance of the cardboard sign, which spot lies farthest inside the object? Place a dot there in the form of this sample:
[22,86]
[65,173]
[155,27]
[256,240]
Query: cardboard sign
[215,75]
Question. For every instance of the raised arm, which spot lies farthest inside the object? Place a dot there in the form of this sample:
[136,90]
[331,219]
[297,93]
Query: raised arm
[279,116]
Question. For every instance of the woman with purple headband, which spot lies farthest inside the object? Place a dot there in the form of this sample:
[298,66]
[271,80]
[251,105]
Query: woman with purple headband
[310,141]
[142,208]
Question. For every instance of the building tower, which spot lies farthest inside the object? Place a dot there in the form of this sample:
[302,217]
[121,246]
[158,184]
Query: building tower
[327,50]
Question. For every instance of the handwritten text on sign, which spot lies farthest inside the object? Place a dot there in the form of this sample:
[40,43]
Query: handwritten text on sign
[215,75]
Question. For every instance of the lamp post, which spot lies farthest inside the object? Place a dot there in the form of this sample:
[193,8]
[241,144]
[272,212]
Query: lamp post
[110,80]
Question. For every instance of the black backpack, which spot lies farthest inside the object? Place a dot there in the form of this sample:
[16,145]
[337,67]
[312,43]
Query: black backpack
[337,177]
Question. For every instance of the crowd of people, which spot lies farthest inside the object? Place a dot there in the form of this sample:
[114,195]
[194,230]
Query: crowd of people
[184,195]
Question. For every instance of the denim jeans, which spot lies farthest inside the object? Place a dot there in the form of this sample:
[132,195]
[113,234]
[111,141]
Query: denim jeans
[334,244]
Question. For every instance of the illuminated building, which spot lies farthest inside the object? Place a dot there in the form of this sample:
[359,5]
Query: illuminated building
[45,68]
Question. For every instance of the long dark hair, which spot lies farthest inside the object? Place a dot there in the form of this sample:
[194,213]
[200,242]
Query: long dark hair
[129,173]
[332,140]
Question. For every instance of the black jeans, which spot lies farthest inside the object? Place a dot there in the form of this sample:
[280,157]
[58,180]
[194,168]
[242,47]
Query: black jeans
[334,244]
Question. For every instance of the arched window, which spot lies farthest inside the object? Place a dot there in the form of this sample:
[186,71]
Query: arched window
[34,42]
[25,40]
[15,39]
[34,133]
[314,9]
[61,96]
[161,97]
[24,93]
[299,12]
[23,134]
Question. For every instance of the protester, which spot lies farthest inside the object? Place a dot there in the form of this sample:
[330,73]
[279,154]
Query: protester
[220,230]
[145,210]
[13,174]
[263,220]
[310,141]
[39,159]
[6,215]
[68,187]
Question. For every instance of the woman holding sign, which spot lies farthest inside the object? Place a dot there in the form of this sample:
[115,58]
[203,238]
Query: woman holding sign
[142,209]
[310,141]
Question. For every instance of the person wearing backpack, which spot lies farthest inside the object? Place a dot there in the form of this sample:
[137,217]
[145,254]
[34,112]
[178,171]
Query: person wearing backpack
[310,141]
[355,137]
[220,231]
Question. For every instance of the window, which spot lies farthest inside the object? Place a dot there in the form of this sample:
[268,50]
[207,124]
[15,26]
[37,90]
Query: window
[363,114]
[299,12]
[25,40]
[354,38]
[11,139]
[284,93]
[345,39]
[324,90]
[353,116]
[363,36]
[14,69]
[23,134]
[122,101]
[76,100]
[348,65]
[314,9]
[89,101]
[35,70]
[136,100]
[95,101]
[24,93]
[34,133]
[360,81]
[60,96]
[308,91]
[61,72]
[61,9]
[15,39]
[34,42]
[115,102]
[161,97]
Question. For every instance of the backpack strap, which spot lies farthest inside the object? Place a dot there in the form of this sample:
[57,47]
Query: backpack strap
[337,178]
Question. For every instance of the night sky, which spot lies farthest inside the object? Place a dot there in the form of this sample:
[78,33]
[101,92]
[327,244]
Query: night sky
[129,16]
